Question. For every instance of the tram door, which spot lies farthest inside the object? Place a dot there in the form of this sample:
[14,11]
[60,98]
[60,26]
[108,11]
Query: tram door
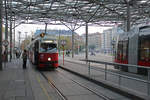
[36,52]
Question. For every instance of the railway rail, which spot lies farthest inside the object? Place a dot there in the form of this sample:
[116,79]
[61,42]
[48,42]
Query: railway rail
[62,95]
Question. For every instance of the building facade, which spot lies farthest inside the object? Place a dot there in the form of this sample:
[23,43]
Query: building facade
[108,38]
[94,41]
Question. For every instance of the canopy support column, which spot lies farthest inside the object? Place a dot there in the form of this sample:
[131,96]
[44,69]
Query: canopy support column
[6,31]
[72,43]
[128,17]
[11,44]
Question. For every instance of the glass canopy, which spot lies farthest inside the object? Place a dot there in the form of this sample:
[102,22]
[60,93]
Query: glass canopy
[77,11]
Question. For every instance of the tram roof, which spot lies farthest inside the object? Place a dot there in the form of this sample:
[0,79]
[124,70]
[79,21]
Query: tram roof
[77,12]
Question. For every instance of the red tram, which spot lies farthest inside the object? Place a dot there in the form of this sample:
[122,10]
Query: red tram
[134,48]
[43,52]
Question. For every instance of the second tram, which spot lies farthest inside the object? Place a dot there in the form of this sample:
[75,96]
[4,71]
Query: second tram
[134,48]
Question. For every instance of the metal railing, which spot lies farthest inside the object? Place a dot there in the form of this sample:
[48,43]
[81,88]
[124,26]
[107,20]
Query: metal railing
[120,76]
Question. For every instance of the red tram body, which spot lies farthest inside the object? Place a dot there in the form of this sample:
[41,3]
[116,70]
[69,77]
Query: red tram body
[43,52]
[134,48]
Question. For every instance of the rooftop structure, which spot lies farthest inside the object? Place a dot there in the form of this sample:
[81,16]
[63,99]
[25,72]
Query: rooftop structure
[77,12]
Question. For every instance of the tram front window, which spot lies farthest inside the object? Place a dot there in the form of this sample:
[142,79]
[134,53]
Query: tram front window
[144,48]
[48,47]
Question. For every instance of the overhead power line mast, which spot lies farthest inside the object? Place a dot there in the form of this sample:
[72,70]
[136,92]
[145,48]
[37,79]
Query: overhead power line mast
[1,6]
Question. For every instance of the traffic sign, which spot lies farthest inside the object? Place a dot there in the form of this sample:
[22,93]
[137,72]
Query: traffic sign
[63,42]
[5,43]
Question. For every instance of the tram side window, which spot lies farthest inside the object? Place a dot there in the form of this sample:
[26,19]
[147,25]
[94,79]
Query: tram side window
[144,49]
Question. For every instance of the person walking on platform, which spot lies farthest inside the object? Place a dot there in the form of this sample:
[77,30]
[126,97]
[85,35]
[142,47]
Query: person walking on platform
[24,57]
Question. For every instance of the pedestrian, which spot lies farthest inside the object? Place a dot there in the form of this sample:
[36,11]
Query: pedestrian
[24,57]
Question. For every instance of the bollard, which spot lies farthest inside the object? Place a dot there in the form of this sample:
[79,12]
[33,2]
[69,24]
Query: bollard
[105,71]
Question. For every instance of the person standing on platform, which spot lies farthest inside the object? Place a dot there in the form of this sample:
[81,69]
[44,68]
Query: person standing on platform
[24,57]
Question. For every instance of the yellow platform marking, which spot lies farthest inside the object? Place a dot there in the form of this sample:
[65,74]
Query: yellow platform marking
[43,88]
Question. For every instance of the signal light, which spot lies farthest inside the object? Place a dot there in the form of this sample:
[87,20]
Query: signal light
[42,35]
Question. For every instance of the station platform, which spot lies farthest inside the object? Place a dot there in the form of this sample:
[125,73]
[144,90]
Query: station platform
[17,83]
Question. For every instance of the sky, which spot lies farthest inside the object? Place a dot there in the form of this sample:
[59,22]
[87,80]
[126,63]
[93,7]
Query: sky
[29,28]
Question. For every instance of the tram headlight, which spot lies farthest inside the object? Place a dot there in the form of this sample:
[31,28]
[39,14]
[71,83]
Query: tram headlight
[49,59]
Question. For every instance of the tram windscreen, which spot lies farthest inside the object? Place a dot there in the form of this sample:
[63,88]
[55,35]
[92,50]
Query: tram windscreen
[144,48]
[48,47]
[144,44]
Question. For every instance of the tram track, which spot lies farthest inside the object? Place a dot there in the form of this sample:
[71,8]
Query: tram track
[51,83]
[64,97]
[114,88]
[86,87]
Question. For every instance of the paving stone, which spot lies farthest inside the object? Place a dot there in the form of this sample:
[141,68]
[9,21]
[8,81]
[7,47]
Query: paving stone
[74,88]
[15,93]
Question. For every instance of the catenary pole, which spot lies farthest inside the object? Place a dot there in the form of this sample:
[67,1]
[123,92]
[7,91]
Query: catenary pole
[72,43]
[86,41]
[6,30]
[11,44]
[14,37]
[19,40]
[10,38]
[1,6]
